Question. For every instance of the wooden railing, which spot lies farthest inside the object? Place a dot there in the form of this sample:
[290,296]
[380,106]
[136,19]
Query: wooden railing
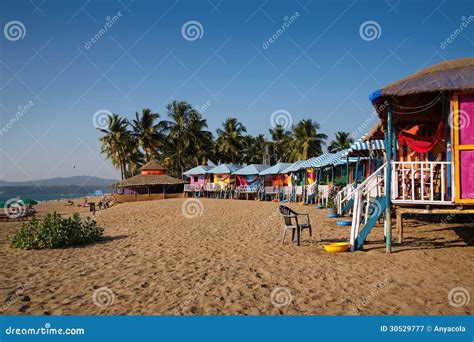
[420,182]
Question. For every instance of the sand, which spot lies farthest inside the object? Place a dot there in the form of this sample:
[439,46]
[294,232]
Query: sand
[229,260]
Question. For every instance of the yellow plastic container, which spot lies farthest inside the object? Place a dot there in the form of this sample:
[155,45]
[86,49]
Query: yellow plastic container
[337,247]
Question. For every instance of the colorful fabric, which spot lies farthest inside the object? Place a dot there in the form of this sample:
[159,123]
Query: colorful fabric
[244,181]
[421,144]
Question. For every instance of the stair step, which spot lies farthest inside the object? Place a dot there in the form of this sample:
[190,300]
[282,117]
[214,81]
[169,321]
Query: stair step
[348,206]
[379,206]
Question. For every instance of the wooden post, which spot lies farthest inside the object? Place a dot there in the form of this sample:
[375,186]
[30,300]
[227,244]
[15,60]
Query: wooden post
[356,169]
[388,180]
[400,226]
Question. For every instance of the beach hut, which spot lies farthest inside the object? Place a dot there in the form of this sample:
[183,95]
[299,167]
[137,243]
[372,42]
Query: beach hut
[428,123]
[198,176]
[274,179]
[248,179]
[152,183]
[295,184]
[220,180]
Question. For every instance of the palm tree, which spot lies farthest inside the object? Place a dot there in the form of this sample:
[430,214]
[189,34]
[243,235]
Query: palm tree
[306,142]
[146,133]
[116,140]
[186,137]
[230,140]
[254,149]
[342,141]
[281,139]
[202,147]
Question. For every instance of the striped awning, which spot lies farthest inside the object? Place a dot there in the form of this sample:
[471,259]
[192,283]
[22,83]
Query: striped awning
[378,144]
[317,161]
[361,145]
[294,167]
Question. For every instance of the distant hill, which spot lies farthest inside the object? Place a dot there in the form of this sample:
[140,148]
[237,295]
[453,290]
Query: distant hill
[85,181]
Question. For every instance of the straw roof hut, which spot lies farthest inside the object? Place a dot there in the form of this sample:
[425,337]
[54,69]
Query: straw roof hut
[151,180]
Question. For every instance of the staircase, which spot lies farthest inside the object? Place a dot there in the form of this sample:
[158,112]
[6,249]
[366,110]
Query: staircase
[369,205]
[344,199]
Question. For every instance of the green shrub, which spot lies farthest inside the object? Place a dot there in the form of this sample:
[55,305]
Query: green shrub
[53,231]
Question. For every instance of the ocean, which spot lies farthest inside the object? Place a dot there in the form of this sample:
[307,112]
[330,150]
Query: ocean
[48,197]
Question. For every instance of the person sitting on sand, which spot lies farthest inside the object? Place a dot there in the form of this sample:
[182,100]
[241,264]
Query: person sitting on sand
[85,203]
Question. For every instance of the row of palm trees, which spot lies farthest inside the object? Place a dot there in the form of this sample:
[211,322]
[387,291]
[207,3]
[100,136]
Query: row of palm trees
[181,141]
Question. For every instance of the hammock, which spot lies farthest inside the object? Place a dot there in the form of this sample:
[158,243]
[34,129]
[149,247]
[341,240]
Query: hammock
[243,180]
[421,144]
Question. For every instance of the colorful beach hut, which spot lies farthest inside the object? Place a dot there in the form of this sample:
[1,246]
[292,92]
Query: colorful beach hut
[197,176]
[274,179]
[152,183]
[221,177]
[248,179]
[428,122]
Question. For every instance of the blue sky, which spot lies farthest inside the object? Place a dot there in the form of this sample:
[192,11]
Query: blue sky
[321,67]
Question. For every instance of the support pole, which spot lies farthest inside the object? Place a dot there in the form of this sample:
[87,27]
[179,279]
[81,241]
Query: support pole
[388,180]
[356,178]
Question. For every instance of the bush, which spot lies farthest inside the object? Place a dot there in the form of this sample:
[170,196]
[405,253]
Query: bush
[53,231]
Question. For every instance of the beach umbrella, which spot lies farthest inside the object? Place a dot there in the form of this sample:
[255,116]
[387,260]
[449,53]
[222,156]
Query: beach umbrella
[27,201]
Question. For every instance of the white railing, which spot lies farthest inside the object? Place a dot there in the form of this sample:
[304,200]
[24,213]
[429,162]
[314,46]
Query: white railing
[365,203]
[323,195]
[420,182]
[247,189]
[211,187]
[343,195]
[374,178]
[272,190]
[192,187]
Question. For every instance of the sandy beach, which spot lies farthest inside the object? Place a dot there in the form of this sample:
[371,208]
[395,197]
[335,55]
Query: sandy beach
[229,260]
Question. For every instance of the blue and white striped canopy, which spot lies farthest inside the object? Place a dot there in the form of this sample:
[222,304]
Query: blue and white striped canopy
[361,145]
[378,144]
[316,161]
[294,167]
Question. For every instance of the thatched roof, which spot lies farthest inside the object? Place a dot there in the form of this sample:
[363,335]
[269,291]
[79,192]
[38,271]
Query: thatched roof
[144,180]
[377,132]
[455,74]
[152,165]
